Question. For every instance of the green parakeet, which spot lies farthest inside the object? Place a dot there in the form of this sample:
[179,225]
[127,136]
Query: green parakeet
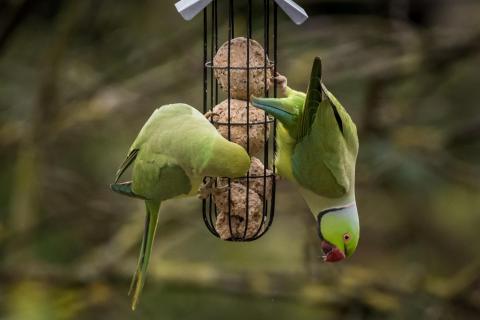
[174,150]
[317,150]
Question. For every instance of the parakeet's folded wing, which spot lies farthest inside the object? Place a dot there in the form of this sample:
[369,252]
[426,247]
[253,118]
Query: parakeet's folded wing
[344,122]
[158,177]
[145,133]
[324,160]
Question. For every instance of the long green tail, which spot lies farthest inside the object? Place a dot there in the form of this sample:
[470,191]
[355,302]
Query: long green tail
[145,251]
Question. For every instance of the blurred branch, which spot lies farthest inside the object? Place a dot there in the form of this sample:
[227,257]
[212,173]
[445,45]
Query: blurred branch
[121,95]
[455,169]
[11,26]
[107,256]
[446,57]
[105,100]
[162,53]
[357,288]
[434,60]
[468,133]
[26,192]
[373,102]
[417,12]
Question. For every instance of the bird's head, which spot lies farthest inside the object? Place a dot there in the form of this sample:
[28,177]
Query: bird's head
[286,110]
[339,231]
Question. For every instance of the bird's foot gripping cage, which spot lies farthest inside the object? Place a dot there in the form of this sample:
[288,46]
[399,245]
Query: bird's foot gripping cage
[241,209]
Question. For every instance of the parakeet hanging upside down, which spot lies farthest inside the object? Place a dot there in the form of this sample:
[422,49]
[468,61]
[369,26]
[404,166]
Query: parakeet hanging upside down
[174,150]
[317,149]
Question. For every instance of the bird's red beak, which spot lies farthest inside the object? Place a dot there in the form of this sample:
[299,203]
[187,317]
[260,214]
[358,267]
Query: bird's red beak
[331,253]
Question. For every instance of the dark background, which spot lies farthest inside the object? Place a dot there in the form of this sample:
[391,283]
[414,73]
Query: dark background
[79,78]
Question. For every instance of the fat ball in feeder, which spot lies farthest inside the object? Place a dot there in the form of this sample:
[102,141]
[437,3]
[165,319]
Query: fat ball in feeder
[257,72]
[232,214]
[237,70]
[236,128]
[257,182]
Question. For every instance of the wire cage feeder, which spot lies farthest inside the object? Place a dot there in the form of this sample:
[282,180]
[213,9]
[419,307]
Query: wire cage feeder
[222,21]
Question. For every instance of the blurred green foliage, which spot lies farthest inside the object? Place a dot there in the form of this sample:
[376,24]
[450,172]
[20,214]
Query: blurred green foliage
[78,79]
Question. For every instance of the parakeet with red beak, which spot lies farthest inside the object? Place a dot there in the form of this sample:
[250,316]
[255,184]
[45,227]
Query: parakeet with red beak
[317,150]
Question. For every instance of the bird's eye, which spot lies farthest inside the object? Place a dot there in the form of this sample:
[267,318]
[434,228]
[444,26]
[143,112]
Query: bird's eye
[346,237]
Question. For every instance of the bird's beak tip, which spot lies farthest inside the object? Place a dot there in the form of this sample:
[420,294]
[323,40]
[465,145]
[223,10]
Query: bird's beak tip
[334,256]
[332,253]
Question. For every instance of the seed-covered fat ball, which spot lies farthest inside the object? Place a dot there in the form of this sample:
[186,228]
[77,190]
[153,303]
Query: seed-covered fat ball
[255,180]
[238,127]
[238,77]
[238,196]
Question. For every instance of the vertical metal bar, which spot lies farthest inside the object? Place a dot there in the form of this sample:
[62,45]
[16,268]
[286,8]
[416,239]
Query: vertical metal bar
[212,210]
[267,35]
[215,31]
[211,215]
[205,52]
[230,36]
[204,201]
[232,16]
[275,92]
[207,216]
[249,35]
[266,41]
[212,54]
[275,47]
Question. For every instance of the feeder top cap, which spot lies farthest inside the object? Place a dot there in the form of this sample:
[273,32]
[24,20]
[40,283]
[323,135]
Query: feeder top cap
[190,8]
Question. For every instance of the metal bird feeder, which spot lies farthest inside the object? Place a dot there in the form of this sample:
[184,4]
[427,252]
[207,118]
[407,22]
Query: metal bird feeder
[244,226]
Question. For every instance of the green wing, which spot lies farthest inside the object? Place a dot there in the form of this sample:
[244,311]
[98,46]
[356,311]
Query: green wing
[312,101]
[159,177]
[324,161]
[344,122]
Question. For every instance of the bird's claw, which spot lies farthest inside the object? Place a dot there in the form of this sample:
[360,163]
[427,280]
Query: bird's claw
[208,188]
[218,190]
[282,82]
[210,114]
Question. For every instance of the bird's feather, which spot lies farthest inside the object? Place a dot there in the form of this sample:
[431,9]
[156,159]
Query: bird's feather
[312,100]
[126,163]
[138,280]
